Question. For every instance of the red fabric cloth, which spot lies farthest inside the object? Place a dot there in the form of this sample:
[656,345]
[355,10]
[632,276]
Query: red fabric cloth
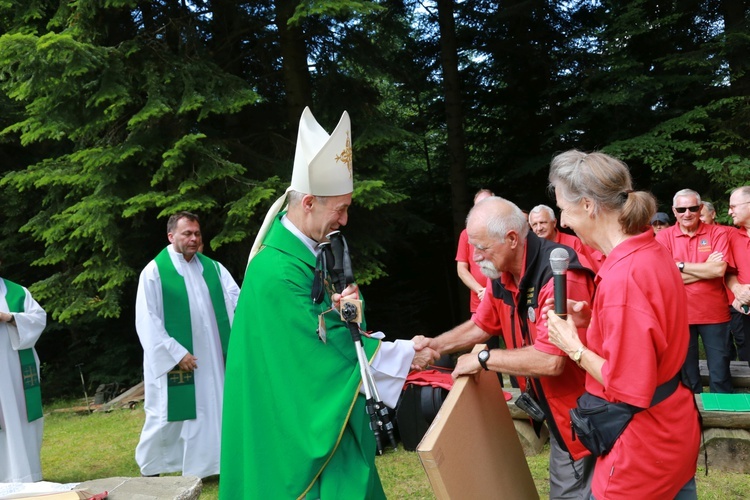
[437,378]
[639,327]
[562,392]
[707,299]
[465,253]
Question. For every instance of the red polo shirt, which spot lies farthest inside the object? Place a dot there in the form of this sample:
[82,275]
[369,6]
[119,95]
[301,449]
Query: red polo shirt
[707,299]
[465,253]
[638,326]
[494,317]
[739,256]
[588,256]
[739,262]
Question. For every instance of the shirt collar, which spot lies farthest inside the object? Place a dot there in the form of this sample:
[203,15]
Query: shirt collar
[310,243]
[624,249]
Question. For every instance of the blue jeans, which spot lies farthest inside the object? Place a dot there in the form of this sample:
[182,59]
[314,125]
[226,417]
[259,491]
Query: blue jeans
[716,342]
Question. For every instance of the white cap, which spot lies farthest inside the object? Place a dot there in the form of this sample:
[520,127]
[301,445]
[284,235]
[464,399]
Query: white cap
[322,166]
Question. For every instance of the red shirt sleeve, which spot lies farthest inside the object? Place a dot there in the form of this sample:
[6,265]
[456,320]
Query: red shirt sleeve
[488,314]
[462,253]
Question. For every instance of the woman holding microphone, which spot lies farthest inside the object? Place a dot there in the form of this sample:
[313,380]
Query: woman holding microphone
[637,334]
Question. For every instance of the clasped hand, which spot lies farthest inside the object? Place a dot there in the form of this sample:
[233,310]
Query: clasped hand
[350,292]
[424,355]
[564,332]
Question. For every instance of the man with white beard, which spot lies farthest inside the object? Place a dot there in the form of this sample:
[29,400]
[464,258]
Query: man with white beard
[518,262]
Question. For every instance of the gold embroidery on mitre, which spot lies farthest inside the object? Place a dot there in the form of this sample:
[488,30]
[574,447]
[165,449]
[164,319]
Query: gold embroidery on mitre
[346,155]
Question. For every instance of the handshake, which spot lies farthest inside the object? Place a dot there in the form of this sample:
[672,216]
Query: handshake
[424,355]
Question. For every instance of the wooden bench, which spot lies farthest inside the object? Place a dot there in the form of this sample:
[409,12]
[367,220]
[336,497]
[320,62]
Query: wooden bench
[739,371]
[726,436]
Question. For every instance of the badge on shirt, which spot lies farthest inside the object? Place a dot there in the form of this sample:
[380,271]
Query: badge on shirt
[704,246]
[321,331]
[532,315]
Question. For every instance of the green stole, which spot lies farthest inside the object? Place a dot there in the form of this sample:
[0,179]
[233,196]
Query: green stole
[15,297]
[180,383]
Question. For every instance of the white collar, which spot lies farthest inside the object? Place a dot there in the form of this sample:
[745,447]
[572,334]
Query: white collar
[310,243]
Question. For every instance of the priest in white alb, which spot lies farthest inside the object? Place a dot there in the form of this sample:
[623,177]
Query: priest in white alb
[184,310]
[22,321]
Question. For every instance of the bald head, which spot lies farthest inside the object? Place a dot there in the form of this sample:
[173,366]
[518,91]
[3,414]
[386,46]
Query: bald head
[497,230]
[498,216]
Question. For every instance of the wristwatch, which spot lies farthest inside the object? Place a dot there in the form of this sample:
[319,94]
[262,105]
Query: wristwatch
[577,355]
[681,266]
[483,357]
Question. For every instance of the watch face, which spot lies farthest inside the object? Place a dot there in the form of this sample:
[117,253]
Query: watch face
[484,355]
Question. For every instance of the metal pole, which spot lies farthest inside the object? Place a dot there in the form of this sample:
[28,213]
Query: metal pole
[83,384]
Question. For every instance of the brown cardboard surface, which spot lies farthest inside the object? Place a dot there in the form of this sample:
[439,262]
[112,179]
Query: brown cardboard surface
[471,450]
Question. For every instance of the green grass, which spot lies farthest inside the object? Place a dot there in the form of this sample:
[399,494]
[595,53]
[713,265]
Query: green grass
[79,447]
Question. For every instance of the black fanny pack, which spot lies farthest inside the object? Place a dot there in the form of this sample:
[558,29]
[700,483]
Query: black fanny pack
[598,423]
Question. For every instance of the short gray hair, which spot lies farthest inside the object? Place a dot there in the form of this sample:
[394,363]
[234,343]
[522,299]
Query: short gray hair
[742,190]
[542,208]
[295,197]
[498,224]
[686,192]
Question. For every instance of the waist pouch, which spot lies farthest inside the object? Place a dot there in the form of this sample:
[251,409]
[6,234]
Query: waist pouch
[598,423]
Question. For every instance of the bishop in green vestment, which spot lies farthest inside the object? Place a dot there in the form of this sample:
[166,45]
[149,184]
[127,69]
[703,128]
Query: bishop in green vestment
[294,420]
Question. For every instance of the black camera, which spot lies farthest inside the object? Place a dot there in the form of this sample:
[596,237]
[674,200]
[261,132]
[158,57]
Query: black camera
[349,311]
[527,403]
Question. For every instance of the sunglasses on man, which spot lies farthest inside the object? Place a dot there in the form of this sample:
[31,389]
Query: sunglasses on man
[681,210]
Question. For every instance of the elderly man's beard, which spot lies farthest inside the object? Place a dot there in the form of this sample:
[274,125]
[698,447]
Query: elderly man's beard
[489,269]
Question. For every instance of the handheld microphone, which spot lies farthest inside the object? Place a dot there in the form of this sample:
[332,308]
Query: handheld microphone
[558,261]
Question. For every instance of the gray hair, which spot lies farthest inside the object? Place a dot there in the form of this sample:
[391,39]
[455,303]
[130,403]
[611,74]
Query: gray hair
[709,206]
[498,224]
[295,197]
[542,208]
[686,192]
[742,190]
[606,182]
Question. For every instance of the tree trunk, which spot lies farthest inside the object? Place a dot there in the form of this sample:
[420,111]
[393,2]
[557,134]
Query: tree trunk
[737,47]
[294,64]
[453,115]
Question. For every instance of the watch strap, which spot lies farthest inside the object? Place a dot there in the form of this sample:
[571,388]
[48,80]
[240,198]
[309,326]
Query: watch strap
[483,360]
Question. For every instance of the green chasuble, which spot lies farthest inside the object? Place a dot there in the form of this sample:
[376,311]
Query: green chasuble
[15,296]
[294,423]
[180,383]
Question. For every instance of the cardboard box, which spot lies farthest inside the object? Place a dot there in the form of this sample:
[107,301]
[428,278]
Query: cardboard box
[471,450]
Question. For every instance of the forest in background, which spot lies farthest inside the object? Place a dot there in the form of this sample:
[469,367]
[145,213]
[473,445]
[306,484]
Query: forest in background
[116,113]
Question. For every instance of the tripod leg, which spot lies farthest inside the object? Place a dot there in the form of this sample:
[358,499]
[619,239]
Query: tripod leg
[383,417]
[370,405]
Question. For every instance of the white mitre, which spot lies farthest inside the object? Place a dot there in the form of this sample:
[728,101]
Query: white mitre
[322,166]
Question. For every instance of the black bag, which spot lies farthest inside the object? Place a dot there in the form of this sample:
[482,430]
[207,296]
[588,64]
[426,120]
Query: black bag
[415,411]
[598,423]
